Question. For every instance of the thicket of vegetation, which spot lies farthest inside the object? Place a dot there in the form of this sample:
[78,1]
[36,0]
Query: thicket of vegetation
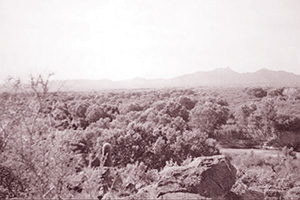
[50,141]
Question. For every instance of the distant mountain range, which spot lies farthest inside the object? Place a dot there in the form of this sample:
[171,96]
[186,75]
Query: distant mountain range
[217,77]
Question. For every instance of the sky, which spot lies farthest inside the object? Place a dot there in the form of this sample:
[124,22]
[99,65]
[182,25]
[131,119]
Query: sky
[118,39]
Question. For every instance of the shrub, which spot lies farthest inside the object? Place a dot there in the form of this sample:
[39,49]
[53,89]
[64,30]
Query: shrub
[94,113]
[293,193]
[257,92]
[10,184]
[209,116]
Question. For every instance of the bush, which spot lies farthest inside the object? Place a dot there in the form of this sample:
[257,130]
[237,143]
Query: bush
[257,92]
[293,193]
[10,184]
[94,113]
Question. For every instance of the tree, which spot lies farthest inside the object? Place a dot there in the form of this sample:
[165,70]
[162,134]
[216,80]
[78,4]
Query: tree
[268,112]
[257,119]
[287,123]
[174,109]
[208,117]
[243,113]
[94,113]
[80,109]
[188,103]
[30,147]
[257,92]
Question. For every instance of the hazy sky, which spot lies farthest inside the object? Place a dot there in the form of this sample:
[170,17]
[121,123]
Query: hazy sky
[114,39]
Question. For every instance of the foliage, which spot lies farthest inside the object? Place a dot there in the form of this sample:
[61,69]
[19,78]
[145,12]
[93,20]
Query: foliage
[11,185]
[209,116]
[53,138]
[287,123]
[257,92]
[293,193]
[255,120]
[94,113]
[267,173]
[52,141]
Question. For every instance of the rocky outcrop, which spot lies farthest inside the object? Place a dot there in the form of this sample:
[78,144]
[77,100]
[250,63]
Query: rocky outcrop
[204,178]
[274,194]
[252,194]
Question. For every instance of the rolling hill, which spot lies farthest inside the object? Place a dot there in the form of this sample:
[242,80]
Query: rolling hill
[216,77]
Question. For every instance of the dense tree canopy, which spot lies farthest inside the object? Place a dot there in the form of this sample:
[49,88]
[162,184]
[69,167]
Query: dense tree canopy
[54,137]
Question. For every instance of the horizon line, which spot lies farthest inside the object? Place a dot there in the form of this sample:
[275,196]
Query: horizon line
[145,78]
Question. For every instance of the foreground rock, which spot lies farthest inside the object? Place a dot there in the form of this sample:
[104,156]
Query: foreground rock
[252,194]
[204,178]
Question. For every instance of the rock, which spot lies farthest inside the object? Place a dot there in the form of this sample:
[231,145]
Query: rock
[252,194]
[273,194]
[207,176]
[182,195]
[232,196]
[204,178]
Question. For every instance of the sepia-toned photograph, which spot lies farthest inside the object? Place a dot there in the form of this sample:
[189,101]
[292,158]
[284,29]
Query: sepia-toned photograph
[150,100]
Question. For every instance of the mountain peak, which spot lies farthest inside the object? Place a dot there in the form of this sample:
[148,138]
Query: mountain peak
[264,70]
[223,69]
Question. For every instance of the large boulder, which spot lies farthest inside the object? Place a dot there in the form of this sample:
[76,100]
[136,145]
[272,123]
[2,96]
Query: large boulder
[252,194]
[204,178]
[273,194]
